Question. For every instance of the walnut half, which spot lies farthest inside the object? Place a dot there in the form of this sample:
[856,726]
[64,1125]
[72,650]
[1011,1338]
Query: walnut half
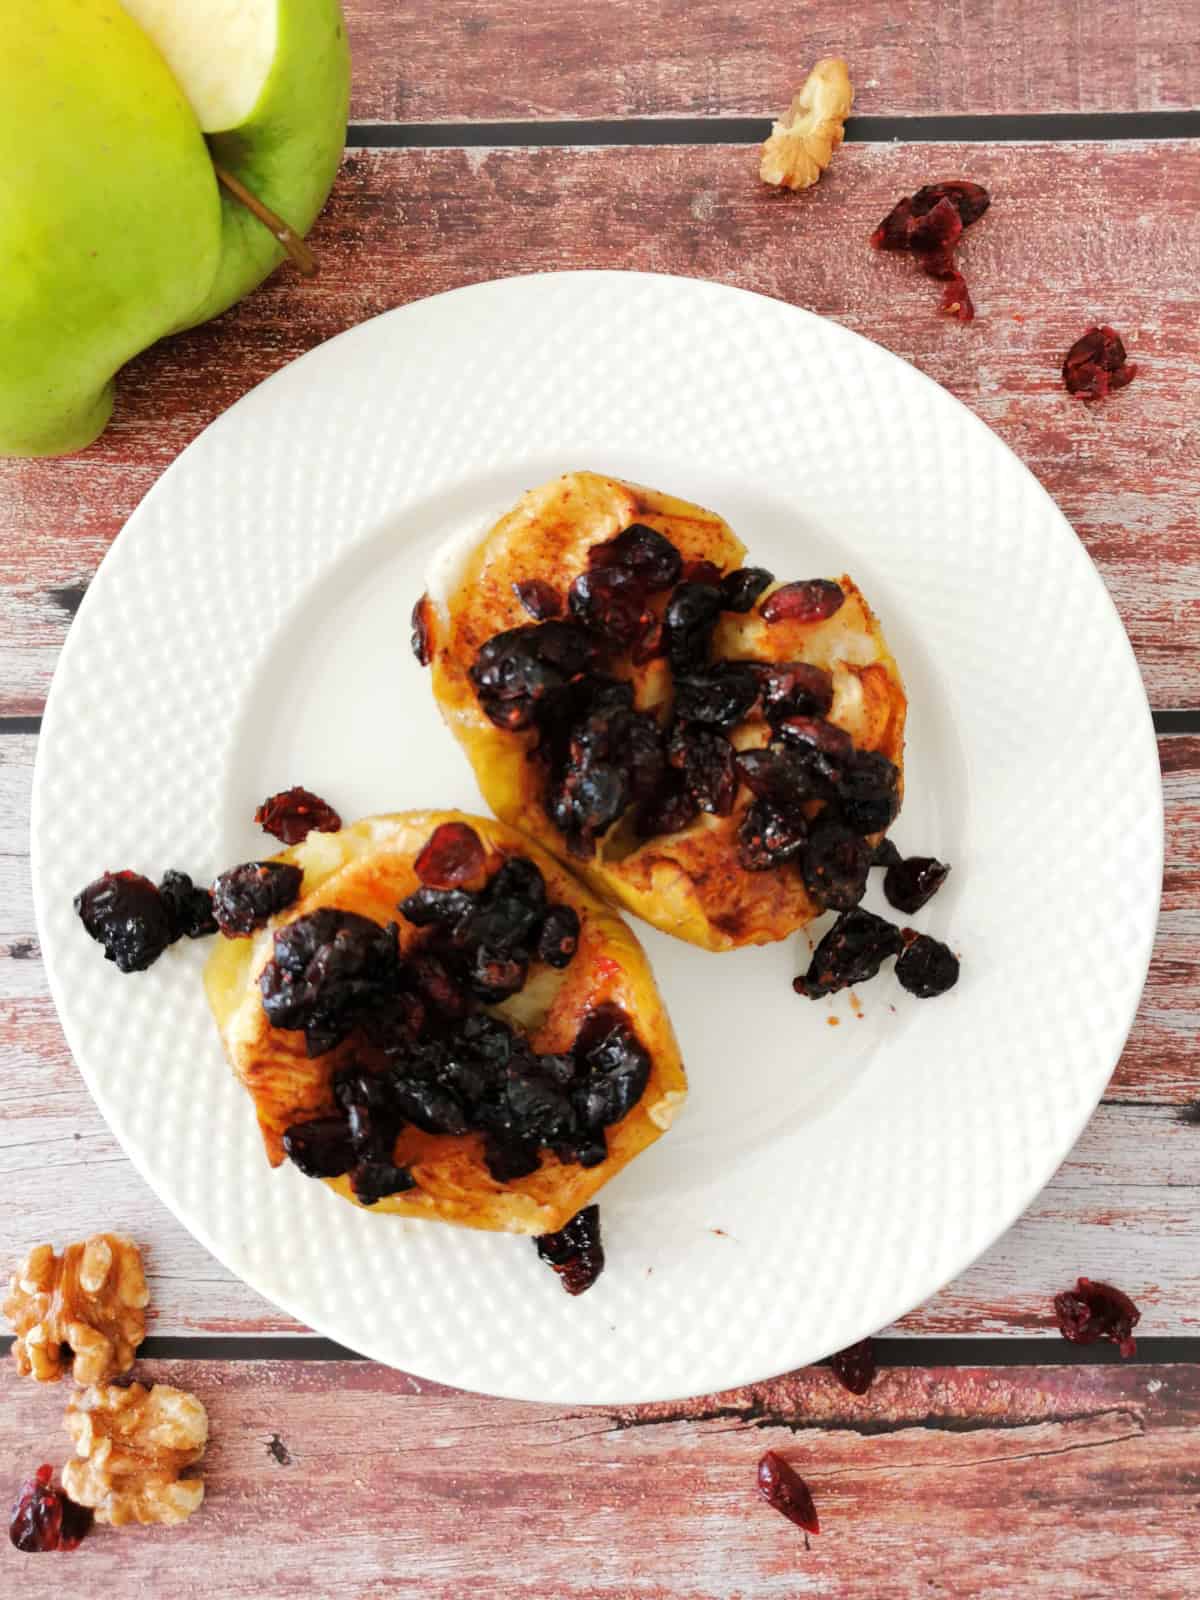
[130,1447]
[802,142]
[88,1304]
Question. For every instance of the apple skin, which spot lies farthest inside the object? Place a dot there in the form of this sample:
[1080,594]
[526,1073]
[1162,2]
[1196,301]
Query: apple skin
[287,151]
[110,226]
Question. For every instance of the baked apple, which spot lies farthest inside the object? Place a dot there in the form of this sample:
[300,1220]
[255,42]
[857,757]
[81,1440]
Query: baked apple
[445,1023]
[713,750]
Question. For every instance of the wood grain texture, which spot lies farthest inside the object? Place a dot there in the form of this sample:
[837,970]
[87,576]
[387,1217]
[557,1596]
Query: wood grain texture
[1076,234]
[1125,1204]
[352,1480]
[488,60]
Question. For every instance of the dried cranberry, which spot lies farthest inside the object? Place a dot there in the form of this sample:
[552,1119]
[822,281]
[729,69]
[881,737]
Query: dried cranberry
[643,551]
[813,735]
[855,1367]
[722,695]
[575,1251]
[670,811]
[707,761]
[495,975]
[559,938]
[970,200]
[373,1181]
[245,898]
[44,1518]
[590,797]
[420,630]
[452,855]
[885,854]
[1094,1311]
[613,1067]
[810,600]
[650,644]
[294,814]
[539,1108]
[526,673]
[933,236]
[688,624]
[702,571]
[956,298]
[851,952]
[328,967]
[740,589]
[127,915]
[868,792]
[541,599]
[189,909]
[614,757]
[1095,364]
[321,1147]
[892,232]
[787,779]
[612,602]
[519,879]
[428,1106]
[835,865]
[910,884]
[782,1487]
[508,1159]
[437,908]
[767,838]
[927,967]
[795,689]
[434,983]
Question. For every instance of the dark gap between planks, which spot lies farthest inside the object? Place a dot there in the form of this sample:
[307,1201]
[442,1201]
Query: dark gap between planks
[1000,129]
[965,1350]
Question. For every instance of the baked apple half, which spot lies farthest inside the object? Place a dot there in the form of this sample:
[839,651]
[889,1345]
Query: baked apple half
[716,751]
[445,1023]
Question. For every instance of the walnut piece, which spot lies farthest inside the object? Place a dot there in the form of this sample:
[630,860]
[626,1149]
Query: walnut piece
[89,1304]
[130,1447]
[802,142]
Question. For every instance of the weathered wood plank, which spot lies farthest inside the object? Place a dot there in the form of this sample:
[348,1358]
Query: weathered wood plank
[324,1479]
[502,59]
[1125,1204]
[1076,233]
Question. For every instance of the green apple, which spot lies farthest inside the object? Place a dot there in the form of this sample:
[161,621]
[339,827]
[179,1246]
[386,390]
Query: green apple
[125,131]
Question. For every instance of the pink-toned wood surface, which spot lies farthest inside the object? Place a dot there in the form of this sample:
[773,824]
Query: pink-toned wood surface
[351,1480]
[1076,233]
[489,60]
[1125,1204]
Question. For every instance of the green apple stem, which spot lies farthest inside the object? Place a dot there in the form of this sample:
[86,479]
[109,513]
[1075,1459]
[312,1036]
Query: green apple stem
[301,256]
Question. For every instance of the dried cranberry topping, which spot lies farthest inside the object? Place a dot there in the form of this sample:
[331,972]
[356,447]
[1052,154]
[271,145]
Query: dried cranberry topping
[328,967]
[970,200]
[852,951]
[910,884]
[614,757]
[671,810]
[373,1181]
[855,1367]
[706,760]
[782,1487]
[246,898]
[127,915]
[868,792]
[767,838]
[189,909]
[787,779]
[440,908]
[702,571]
[722,695]
[612,1068]
[688,624]
[930,224]
[740,589]
[835,865]
[559,936]
[1095,364]
[420,630]
[321,1147]
[612,602]
[643,551]
[541,599]
[809,600]
[44,1518]
[524,674]
[927,967]
[795,689]
[814,736]
[885,854]
[452,855]
[438,987]
[575,1251]
[1094,1311]
[295,813]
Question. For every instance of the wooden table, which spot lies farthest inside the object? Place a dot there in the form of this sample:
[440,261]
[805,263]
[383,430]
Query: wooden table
[499,136]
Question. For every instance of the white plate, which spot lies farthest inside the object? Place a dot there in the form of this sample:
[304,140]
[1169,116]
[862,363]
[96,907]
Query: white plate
[249,630]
